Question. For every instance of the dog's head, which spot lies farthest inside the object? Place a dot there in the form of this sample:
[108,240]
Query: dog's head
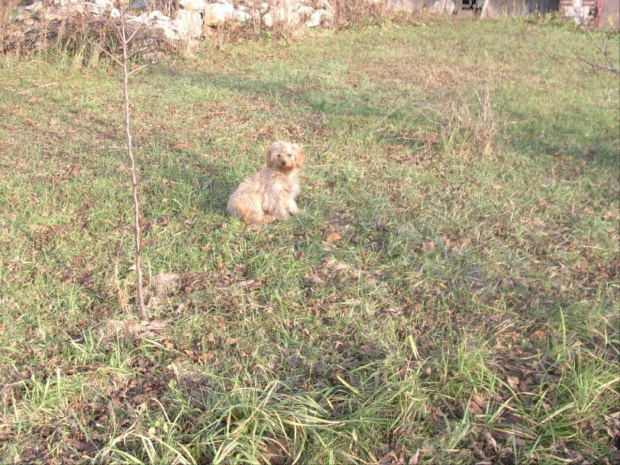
[284,156]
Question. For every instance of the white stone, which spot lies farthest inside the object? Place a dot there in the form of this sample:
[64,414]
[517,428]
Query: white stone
[218,13]
[188,23]
[36,6]
[104,3]
[71,8]
[115,13]
[94,9]
[156,16]
[242,16]
[169,32]
[195,5]
[268,20]
[318,18]
[305,10]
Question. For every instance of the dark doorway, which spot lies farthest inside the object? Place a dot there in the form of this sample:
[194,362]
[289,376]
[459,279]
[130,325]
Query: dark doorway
[542,6]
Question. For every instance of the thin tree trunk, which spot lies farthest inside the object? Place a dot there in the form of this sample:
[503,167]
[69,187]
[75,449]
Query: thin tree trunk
[134,175]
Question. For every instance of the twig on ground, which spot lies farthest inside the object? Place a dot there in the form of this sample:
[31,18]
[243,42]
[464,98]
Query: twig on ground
[39,86]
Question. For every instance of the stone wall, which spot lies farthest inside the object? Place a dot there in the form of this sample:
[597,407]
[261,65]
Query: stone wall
[194,18]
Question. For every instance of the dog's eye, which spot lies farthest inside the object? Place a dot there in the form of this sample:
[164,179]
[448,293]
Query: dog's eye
[278,155]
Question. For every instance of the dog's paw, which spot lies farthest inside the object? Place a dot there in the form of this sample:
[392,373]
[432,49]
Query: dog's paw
[294,209]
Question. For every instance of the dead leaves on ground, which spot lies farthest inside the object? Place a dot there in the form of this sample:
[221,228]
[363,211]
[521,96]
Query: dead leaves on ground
[333,272]
[333,237]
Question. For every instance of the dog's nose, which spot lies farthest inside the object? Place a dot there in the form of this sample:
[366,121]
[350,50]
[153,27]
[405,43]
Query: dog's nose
[283,163]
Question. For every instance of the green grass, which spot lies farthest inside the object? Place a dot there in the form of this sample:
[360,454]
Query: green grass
[468,313]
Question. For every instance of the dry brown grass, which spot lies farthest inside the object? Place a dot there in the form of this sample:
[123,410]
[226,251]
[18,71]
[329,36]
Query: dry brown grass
[7,9]
[84,37]
[357,13]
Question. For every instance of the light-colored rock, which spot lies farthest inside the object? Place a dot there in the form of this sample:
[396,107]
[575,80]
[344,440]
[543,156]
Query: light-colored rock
[195,5]
[288,12]
[104,3]
[188,24]
[153,17]
[171,34]
[305,11]
[36,6]
[218,13]
[319,18]
[94,9]
[158,20]
[71,7]
[242,16]
[115,13]
[268,20]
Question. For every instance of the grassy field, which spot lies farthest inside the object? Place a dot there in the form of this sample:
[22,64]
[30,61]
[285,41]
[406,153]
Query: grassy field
[448,294]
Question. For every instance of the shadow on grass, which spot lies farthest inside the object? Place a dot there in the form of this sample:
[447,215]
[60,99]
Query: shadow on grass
[292,91]
[601,150]
[560,133]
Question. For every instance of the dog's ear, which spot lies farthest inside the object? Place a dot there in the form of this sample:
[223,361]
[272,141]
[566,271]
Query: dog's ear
[300,156]
[269,153]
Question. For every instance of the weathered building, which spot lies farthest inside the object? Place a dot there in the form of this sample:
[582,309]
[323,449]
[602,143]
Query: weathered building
[603,14]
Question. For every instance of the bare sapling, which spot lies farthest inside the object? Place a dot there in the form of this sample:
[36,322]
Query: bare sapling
[135,181]
[133,169]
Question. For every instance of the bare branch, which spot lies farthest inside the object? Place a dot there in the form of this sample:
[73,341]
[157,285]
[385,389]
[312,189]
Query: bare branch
[598,67]
[134,32]
[138,69]
[106,52]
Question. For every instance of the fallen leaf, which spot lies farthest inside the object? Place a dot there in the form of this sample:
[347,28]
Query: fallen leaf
[513,382]
[426,246]
[491,441]
[78,260]
[80,446]
[498,187]
[537,336]
[333,237]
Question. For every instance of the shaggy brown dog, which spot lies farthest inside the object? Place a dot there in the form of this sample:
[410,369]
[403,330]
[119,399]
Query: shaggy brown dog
[270,193]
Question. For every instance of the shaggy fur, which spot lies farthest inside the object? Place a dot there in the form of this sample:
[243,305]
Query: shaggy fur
[270,193]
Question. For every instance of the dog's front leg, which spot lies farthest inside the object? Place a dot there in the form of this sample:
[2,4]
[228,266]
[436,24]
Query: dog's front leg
[292,207]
